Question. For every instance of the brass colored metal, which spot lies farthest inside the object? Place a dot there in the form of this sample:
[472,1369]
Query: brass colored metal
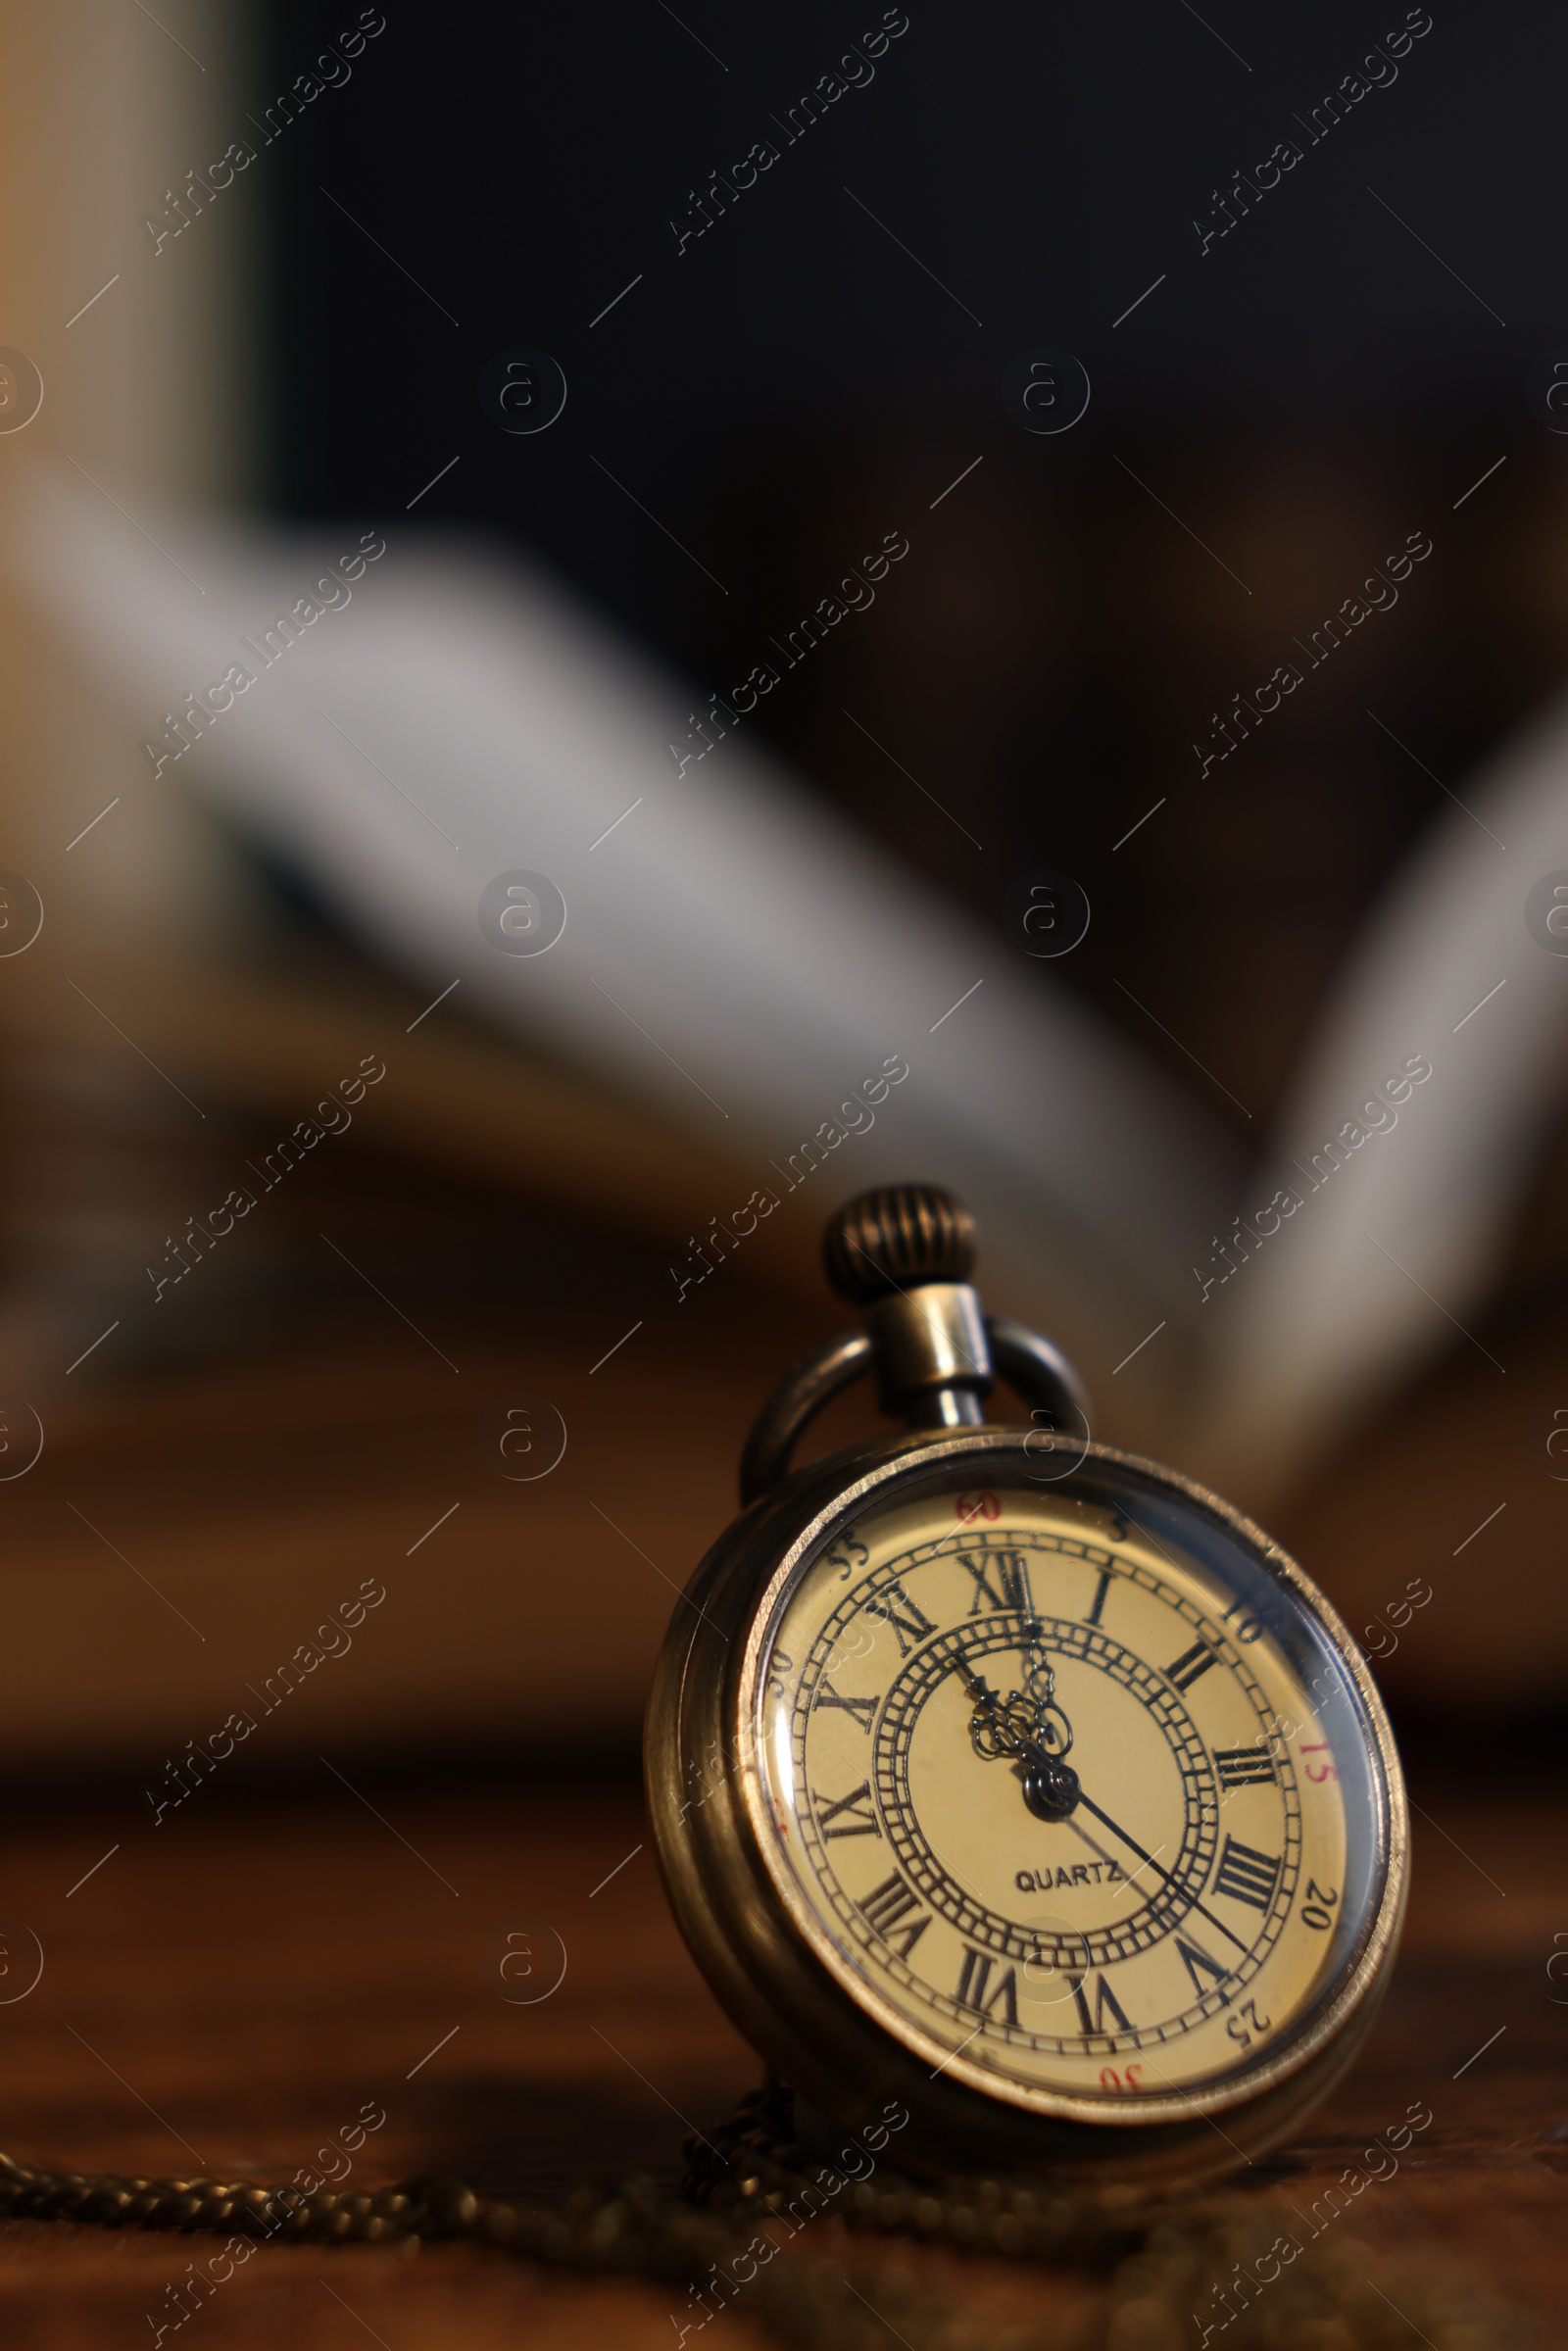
[933,1359]
[751,1932]
[751,2184]
[1040,1375]
[902,1253]
[888,1242]
[797,1400]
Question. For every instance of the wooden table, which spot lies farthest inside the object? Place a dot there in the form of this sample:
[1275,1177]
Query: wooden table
[229,1992]
[301,1939]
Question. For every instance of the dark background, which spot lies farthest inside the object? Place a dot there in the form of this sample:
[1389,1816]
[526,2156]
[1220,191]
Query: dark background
[1303,396]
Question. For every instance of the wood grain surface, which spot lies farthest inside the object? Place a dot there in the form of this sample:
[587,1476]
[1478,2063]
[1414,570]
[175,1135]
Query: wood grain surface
[320,1924]
[230,1990]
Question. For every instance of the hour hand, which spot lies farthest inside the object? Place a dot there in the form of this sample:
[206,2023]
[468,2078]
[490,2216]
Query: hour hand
[1050,1785]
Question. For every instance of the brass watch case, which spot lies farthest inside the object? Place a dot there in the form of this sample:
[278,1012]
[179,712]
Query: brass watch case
[747,1925]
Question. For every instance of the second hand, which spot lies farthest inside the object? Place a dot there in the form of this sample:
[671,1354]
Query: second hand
[1149,1861]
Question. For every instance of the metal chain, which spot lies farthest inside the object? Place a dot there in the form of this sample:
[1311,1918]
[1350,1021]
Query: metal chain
[1166,2271]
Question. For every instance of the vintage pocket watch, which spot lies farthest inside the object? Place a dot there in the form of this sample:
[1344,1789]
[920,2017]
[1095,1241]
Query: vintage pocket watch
[1004,1773]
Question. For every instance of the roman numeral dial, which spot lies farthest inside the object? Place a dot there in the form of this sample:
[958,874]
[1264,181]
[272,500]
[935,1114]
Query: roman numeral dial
[1037,1795]
[1199,1964]
[1106,2000]
[1001,1581]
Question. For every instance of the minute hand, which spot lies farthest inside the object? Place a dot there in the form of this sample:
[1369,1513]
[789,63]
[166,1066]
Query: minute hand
[1087,1804]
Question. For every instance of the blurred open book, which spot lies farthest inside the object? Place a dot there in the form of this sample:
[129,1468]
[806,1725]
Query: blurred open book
[749,1012]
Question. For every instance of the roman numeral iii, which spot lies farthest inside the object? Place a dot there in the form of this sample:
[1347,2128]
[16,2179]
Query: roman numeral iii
[1244,1767]
[1247,1875]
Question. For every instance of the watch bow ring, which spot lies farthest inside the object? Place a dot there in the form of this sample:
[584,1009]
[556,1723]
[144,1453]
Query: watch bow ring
[1006,1775]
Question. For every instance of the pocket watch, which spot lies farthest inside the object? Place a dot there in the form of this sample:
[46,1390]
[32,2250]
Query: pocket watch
[1001,1772]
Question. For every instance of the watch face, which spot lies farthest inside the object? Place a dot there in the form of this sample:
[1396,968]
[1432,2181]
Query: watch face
[1068,1787]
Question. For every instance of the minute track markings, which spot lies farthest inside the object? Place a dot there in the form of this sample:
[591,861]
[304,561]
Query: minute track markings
[885,1597]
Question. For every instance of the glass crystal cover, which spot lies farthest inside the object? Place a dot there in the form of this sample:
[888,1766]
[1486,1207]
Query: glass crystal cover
[1067,1787]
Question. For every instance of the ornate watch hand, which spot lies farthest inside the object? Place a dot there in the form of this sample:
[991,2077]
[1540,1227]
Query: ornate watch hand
[1050,1785]
[1053,1790]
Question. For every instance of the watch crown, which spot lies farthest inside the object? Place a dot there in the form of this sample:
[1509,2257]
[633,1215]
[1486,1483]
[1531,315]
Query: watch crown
[894,1239]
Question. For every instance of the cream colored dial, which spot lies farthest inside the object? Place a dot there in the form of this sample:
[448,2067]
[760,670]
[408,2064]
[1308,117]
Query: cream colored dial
[1054,1801]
